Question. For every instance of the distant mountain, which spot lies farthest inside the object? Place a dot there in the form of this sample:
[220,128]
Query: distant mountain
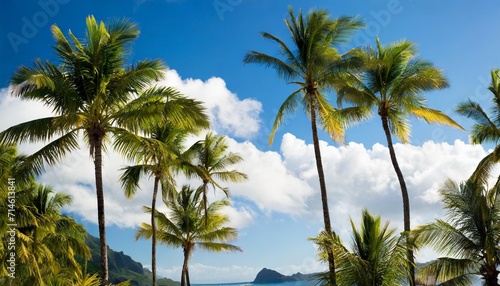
[122,267]
[271,276]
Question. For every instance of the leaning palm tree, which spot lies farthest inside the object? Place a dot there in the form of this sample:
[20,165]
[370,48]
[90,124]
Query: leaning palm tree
[159,155]
[377,256]
[310,63]
[487,127]
[391,81]
[92,92]
[469,236]
[209,161]
[184,226]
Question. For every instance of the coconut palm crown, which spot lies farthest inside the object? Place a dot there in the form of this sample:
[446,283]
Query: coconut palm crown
[210,160]
[376,256]
[185,226]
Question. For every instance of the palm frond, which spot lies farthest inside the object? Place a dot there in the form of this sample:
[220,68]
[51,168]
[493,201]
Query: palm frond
[283,69]
[130,178]
[434,116]
[289,105]
[446,239]
[31,131]
[51,153]
[448,271]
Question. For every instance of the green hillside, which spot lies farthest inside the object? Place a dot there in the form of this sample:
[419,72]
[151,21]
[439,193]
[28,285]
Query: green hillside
[122,267]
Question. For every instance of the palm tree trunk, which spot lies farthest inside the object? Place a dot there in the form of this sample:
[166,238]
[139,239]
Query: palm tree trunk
[404,194]
[100,208]
[185,275]
[324,196]
[205,202]
[490,275]
[153,228]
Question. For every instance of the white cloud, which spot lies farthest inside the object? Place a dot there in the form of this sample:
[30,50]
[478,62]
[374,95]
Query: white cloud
[241,217]
[279,182]
[357,178]
[228,114]
[271,186]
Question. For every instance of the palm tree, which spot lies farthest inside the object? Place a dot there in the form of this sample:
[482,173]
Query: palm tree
[210,159]
[158,156]
[311,63]
[377,256]
[469,235]
[391,81]
[184,226]
[487,128]
[92,92]
[46,240]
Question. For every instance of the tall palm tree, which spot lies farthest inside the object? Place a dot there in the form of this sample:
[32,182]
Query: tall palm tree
[184,226]
[391,81]
[377,256]
[210,159]
[310,63]
[158,156]
[487,127]
[469,235]
[92,91]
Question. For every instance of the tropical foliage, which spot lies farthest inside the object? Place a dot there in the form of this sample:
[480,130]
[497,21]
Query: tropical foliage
[469,237]
[311,63]
[46,241]
[391,80]
[487,127]
[377,256]
[186,225]
[159,156]
[94,93]
[208,160]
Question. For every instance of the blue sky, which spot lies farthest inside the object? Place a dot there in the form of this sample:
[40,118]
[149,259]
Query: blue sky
[203,43]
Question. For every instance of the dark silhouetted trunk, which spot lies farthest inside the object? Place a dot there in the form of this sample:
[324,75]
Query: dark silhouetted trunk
[490,275]
[100,206]
[205,200]
[324,197]
[404,194]
[185,273]
[153,229]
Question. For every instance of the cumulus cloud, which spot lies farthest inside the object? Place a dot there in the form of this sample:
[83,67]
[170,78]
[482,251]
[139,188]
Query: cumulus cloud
[284,182]
[228,114]
[358,177]
[271,186]
[74,174]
